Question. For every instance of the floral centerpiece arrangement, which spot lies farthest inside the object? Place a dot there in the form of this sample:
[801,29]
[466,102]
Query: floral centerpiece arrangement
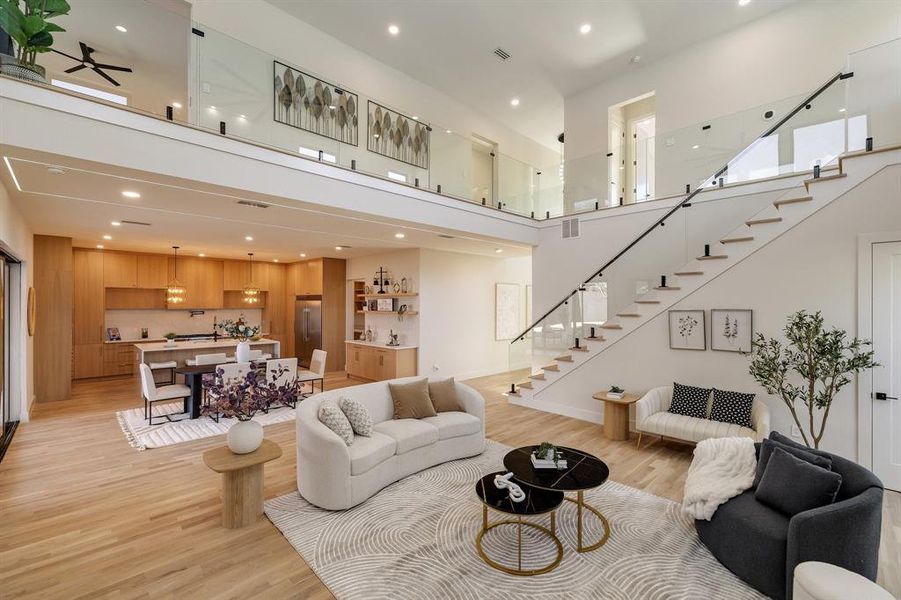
[237,398]
[278,389]
[239,329]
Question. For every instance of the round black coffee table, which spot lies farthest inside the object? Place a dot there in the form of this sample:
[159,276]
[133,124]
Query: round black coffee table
[583,472]
[537,502]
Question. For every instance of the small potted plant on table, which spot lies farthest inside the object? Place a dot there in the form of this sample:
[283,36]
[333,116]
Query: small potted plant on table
[548,456]
[170,340]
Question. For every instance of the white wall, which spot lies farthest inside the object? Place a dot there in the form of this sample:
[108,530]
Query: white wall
[812,267]
[161,322]
[16,237]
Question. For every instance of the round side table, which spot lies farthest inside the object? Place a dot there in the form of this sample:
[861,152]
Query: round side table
[537,502]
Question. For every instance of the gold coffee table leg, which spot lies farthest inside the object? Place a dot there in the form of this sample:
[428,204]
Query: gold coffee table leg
[580,504]
[519,525]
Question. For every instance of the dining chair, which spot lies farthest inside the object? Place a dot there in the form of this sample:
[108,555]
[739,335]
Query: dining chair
[229,373]
[152,394]
[315,373]
[287,378]
[207,359]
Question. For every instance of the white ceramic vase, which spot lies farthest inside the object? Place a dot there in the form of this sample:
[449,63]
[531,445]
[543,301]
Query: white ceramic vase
[242,352]
[245,436]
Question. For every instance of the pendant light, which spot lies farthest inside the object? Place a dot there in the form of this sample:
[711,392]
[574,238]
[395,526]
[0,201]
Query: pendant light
[251,292]
[175,292]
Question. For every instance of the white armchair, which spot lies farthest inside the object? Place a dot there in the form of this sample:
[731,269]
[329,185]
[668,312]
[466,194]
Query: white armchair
[652,416]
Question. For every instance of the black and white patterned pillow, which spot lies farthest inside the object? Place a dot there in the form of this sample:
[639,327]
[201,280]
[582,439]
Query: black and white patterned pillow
[732,407]
[333,417]
[356,413]
[689,401]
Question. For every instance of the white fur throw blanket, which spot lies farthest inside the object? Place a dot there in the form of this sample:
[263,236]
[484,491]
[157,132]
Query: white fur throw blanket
[722,468]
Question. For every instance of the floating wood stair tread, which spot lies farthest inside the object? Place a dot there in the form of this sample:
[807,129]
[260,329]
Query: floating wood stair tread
[763,221]
[585,348]
[564,358]
[628,315]
[611,326]
[514,393]
[526,385]
[551,367]
[715,256]
[598,338]
[807,182]
[667,288]
[735,240]
[649,301]
[684,273]
[787,201]
[539,376]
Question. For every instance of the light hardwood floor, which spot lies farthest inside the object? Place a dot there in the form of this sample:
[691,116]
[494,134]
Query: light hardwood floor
[85,515]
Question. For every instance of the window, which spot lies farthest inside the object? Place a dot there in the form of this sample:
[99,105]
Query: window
[315,154]
[89,91]
[397,176]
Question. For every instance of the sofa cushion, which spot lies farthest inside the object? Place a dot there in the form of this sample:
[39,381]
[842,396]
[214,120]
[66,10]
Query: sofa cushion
[792,485]
[689,401]
[454,424]
[367,452]
[751,540]
[766,451]
[333,417]
[411,400]
[691,429]
[356,413]
[732,407]
[444,395]
[408,433]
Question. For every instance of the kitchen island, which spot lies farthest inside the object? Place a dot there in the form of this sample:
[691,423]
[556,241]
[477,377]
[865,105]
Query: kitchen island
[181,351]
[372,361]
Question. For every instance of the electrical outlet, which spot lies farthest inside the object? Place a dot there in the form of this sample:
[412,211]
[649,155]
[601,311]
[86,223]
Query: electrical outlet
[435,368]
[795,431]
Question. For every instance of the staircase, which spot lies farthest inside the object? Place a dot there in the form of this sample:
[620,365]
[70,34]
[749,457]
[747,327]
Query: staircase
[785,213]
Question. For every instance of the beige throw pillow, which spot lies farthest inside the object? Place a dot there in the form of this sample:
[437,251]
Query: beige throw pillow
[333,417]
[444,395]
[411,400]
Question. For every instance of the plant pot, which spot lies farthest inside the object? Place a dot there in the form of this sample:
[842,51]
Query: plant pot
[13,67]
[245,436]
[242,352]
[170,343]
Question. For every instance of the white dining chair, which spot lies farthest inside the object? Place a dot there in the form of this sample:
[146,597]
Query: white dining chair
[152,394]
[315,373]
[231,373]
[207,359]
[287,378]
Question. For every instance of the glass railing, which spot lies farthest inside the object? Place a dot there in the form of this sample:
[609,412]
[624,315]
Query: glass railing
[803,134]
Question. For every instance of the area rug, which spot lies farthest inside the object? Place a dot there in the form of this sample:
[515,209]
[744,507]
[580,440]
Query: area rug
[142,436]
[416,539]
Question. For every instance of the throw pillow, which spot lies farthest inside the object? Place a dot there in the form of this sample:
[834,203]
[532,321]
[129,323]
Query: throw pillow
[411,400]
[787,441]
[689,401]
[766,452]
[444,395]
[732,407]
[333,417]
[357,415]
[791,485]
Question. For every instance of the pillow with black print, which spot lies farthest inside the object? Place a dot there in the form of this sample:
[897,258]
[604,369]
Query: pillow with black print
[732,407]
[689,401]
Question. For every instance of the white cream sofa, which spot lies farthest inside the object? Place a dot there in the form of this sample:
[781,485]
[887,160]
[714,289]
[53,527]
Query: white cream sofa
[335,476]
[652,416]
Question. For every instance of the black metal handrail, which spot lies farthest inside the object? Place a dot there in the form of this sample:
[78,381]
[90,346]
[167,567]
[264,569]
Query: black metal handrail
[687,200]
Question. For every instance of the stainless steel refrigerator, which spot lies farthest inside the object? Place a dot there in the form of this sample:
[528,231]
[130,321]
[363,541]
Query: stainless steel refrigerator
[307,327]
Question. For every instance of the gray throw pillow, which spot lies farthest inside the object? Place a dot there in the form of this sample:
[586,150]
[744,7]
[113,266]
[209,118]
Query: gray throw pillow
[333,417]
[356,413]
[766,452]
[778,437]
[791,485]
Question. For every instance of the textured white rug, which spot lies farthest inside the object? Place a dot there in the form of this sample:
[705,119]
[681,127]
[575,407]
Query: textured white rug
[416,539]
[140,435]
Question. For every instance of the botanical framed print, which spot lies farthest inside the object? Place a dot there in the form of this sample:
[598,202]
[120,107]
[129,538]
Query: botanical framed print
[687,330]
[314,105]
[506,308]
[731,330]
[397,136]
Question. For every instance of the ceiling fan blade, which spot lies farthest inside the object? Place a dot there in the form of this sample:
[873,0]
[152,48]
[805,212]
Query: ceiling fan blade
[75,68]
[113,68]
[107,77]
[66,55]
[85,50]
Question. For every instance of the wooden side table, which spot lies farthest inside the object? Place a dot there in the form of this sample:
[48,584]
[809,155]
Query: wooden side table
[616,415]
[242,481]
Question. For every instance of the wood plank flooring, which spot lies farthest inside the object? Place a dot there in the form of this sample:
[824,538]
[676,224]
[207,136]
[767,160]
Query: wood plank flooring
[85,515]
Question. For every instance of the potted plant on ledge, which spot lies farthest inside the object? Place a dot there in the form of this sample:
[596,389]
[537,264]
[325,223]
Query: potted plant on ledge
[243,332]
[31,30]
[238,399]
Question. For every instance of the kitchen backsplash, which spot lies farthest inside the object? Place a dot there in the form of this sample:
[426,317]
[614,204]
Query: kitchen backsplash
[161,322]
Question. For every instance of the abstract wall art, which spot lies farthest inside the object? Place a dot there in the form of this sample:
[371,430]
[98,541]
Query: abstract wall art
[314,105]
[398,136]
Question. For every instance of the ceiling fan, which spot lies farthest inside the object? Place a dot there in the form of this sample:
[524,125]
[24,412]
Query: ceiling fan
[87,62]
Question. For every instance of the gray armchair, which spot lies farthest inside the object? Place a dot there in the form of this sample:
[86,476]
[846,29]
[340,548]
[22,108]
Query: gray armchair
[763,546]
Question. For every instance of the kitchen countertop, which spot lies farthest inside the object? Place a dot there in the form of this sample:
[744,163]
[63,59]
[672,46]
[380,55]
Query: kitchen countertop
[199,345]
[137,341]
[379,345]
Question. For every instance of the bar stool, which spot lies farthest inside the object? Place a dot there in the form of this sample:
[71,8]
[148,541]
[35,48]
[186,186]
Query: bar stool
[169,365]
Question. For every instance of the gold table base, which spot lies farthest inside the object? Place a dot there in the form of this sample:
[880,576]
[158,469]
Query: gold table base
[551,533]
[580,505]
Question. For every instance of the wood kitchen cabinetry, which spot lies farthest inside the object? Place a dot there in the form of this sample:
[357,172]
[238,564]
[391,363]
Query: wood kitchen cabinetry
[325,277]
[203,279]
[153,271]
[120,269]
[236,275]
[87,313]
[374,363]
[119,359]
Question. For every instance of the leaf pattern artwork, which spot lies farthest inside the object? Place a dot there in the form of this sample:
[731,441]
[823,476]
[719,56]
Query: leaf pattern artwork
[308,103]
[730,329]
[397,136]
[686,326]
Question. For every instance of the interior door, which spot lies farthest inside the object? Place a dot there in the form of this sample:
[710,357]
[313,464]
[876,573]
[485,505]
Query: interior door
[887,377]
[4,400]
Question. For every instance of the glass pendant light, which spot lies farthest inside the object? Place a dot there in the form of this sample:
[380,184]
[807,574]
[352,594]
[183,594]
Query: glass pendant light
[175,292]
[251,292]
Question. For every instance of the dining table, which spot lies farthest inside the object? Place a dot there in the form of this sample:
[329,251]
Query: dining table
[193,375]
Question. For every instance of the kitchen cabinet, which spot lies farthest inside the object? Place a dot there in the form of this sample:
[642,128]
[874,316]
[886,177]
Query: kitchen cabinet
[119,359]
[308,280]
[325,277]
[88,296]
[87,361]
[203,280]
[375,363]
[153,271]
[233,299]
[120,270]
[236,275]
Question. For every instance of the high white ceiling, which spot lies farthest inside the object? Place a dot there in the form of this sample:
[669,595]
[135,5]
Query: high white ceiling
[449,44]
[82,202]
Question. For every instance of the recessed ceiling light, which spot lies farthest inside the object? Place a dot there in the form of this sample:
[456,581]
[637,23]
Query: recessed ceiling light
[249,238]
[115,223]
[242,117]
[339,248]
[130,194]
[514,102]
[585,28]
[400,236]
[695,147]
[176,105]
[212,108]
[107,237]
[498,250]
[121,28]
[303,255]
[839,110]
[100,246]
[55,170]
[201,255]
[274,260]
[448,131]
[393,29]
[744,2]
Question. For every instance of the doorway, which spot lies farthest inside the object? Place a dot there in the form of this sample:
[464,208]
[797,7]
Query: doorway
[632,130]
[8,384]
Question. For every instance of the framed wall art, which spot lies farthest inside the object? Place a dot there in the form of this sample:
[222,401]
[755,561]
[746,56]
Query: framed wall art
[397,136]
[687,330]
[731,330]
[314,105]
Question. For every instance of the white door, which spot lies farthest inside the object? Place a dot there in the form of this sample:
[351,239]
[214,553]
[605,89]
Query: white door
[886,393]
